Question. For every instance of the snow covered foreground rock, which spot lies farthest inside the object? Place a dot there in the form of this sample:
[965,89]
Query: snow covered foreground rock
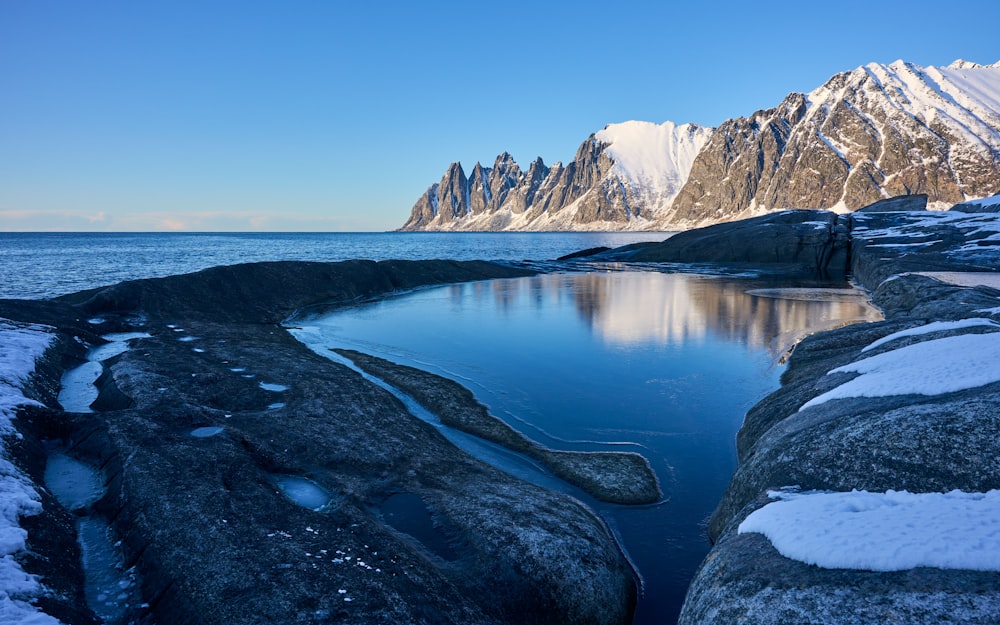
[853,415]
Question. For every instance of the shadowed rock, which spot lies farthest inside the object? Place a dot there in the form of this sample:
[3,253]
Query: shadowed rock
[917,202]
[616,477]
[585,253]
[202,519]
[799,241]
[270,292]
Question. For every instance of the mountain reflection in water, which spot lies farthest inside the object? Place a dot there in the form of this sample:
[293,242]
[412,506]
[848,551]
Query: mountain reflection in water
[663,364]
[646,307]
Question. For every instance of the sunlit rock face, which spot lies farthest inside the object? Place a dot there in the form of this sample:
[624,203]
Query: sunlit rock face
[621,178]
[875,132]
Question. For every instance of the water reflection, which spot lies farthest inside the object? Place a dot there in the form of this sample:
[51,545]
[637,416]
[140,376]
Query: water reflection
[631,308]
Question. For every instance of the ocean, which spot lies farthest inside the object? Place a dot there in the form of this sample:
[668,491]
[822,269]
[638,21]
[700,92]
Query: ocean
[44,265]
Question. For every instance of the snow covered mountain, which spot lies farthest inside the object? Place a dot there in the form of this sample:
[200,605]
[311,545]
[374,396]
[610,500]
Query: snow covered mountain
[874,132]
[622,178]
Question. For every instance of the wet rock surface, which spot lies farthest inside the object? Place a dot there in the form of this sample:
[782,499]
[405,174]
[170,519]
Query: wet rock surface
[215,539]
[615,477]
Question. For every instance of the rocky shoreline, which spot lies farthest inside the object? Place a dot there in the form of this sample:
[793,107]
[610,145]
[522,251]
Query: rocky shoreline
[923,430]
[202,423]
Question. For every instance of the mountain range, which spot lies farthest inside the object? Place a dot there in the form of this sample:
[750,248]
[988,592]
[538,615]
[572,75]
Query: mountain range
[874,132]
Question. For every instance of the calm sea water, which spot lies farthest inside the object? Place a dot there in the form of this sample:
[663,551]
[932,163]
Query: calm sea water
[665,364]
[41,265]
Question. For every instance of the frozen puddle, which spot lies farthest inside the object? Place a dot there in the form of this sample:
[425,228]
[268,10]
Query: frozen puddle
[812,295]
[118,345]
[206,432]
[74,484]
[110,590]
[78,391]
[965,278]
[304,492]
[274,388]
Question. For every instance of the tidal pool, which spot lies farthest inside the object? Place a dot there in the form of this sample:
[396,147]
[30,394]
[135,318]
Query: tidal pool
[658,363]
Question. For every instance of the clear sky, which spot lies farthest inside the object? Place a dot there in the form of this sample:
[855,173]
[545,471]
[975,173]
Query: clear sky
[329,116]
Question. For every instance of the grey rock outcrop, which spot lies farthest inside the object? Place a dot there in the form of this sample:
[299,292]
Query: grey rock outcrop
[915,442]
[904,203]
[593,191]
[874,132]
[984,205]
[798,241]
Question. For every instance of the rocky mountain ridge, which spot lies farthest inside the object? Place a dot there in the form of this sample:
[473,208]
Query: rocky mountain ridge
[870,133]
[619,179]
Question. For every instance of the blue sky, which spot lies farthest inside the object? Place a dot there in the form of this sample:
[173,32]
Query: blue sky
[329,116]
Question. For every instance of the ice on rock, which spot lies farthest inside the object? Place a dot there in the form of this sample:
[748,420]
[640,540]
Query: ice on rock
[206,432]
[274,388]
[74,484]
[303,492]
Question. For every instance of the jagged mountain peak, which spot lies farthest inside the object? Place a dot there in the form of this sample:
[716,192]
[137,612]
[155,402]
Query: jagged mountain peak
[876,131]
[504,159]
[963,64]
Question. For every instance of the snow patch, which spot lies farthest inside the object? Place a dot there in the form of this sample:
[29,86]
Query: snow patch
[965,278]
[20,346]
[936,326]
[891,531]
[654,160]
[945,365]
